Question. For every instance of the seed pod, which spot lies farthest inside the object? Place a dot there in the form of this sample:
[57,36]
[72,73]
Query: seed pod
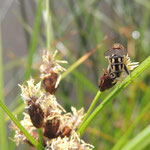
[36,115]
[106,81]
[51,127]
[66,132]
[50,82]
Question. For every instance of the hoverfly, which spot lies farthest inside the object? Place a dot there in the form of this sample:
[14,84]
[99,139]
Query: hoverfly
[118,58]
[119,62]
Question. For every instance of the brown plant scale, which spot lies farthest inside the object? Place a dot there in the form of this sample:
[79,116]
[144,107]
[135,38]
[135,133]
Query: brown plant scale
[51,128]
[50,82]
[36,115]
[66,132]
[106,82]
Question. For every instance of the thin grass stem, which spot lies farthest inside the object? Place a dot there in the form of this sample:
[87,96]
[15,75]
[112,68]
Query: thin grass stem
[94,102]
[48,24]
[34,40]
[3,134]
[40,136]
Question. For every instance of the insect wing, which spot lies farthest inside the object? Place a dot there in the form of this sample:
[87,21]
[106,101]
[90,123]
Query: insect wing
[117,52]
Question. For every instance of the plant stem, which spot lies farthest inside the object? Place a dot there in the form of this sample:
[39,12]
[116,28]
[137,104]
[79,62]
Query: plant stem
[40,136]
[3,134]
[48,25]
[145,64]
[94,102]
[140,141]
[123,139]
[23,130]
[34,40]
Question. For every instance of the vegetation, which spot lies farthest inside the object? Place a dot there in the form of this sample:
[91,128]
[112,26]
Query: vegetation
[118,118]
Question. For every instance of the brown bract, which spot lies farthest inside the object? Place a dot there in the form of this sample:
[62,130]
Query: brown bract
[106,82]
[66,132]
[50,82]
[36,115]
[51,128]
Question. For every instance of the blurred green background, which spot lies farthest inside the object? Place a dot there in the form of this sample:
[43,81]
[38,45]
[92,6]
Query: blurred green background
[76,27]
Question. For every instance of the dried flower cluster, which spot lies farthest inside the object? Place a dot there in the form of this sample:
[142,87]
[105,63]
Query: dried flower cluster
[119,63]
[43,111]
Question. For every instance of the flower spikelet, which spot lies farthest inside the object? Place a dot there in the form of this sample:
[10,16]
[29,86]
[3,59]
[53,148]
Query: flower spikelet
[51,71]
[30,91]
[72,143]
[74,119]
[50,106]
[50,64]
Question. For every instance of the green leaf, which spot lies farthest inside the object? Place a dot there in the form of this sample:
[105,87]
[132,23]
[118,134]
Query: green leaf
[140,141]
[34,40]
[3,134]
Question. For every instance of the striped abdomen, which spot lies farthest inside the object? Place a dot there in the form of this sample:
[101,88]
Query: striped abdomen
[117,66]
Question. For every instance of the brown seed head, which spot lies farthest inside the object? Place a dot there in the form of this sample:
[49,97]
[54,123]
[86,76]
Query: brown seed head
[51,127]
[36,115]
[50,82]
[106,82]
[66,132]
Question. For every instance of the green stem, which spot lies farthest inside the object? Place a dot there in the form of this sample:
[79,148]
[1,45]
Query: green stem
[145,64]
[48,25]
[122,140]
[40,136]
[23,130]
[3,134]
[140,141]
[34,40]
[94,102]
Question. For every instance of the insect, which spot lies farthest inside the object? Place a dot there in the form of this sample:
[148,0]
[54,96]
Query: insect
[118,60]
[106,81]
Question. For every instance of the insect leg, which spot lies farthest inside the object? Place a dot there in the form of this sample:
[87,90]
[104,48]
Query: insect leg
[125,68]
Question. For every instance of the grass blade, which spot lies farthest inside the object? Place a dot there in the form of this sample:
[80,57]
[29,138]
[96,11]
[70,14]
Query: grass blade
[34,40]
[126,135]
[145,64]
[48,25]
[23,130]
[94,102]
[140,141]
[3,134]
[40,136]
